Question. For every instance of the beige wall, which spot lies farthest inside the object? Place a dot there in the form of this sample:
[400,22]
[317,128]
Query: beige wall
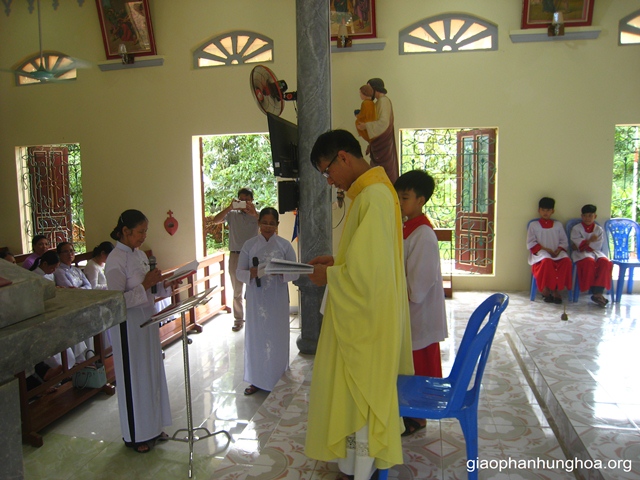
[555,105]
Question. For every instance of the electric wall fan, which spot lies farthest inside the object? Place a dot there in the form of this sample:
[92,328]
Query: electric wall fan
[50,66]
[269,92]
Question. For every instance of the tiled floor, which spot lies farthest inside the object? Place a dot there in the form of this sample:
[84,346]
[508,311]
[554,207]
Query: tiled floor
[584,370]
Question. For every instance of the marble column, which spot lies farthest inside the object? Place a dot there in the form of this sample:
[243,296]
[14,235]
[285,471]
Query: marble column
[314,118]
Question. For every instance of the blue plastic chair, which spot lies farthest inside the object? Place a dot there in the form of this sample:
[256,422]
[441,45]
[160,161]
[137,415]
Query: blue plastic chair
[575,296]
[621,232]
[457,395]
[534,285]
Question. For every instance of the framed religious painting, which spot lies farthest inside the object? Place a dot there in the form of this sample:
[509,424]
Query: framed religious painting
[359,16]
[126,27]
[539,13]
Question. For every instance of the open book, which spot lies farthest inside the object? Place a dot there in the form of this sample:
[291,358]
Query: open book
[184,271]
[277,266]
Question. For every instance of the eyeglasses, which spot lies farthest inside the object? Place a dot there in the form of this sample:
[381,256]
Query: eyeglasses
[325,172]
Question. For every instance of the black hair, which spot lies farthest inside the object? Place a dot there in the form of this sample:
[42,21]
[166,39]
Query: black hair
[420,182]
[547,203]
[62,244]
[104,247]
[130,219]
[588,208]
[50,257]
[330,143]
[269,211]
[246,191]
[36,239]
[6,253]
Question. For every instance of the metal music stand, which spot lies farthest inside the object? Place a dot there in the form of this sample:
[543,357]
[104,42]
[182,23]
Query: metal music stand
[182,308]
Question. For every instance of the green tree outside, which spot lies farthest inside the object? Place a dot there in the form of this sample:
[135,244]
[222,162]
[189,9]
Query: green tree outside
[232,162]
[624,194]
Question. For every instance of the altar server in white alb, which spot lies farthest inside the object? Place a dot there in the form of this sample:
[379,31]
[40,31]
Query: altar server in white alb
[548,244]
[266,338]
[143,397]
[594,268]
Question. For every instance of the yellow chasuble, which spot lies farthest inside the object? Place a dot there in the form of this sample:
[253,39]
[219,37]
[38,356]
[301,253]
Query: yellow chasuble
[365,339]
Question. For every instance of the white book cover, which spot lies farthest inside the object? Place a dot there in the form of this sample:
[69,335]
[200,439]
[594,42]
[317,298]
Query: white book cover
[277,266]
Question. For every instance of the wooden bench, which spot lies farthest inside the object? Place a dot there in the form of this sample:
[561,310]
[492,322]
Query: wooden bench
[39,407]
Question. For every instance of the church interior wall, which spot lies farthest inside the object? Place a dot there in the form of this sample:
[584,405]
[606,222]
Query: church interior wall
[555,105]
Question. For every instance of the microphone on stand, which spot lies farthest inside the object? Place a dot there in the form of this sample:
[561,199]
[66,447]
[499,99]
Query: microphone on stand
[256,262]
[152,266]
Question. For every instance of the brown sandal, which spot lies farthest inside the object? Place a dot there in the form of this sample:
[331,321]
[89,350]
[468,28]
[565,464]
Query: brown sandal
[251,389]
[140,447]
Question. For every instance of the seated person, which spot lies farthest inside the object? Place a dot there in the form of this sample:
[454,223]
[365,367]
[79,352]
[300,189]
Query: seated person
[46,264]
[94,270]
[39,244]
[8,256]
[594,268]
[67,275]
[547,243]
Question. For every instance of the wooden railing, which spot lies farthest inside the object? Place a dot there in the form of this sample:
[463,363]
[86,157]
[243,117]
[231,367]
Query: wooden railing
[211,273]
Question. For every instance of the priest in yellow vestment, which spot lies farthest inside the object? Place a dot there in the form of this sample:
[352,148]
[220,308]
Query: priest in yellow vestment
[365,339]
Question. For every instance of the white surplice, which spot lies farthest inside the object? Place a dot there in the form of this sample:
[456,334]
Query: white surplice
[266,337]
[143,396]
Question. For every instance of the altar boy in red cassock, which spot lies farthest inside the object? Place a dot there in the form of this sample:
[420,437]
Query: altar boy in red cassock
[594,268]
[550,263]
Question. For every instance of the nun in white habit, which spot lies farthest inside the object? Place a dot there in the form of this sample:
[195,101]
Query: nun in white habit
[266,338]
[143,396]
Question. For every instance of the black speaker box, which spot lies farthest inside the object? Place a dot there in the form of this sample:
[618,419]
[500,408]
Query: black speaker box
[288,196]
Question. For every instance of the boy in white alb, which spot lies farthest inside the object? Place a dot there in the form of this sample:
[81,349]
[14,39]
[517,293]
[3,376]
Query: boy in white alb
[548,245]
[424,280]
[594,268]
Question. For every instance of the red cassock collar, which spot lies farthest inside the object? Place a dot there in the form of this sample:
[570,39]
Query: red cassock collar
[410,225]
[589,228]
[546,223]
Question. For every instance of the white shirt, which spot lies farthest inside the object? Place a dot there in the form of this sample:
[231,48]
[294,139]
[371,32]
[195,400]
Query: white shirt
[95,274]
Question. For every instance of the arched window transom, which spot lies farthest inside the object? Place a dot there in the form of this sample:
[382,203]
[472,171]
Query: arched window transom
[56,67]
[448,33]
[629,29]
[235,48]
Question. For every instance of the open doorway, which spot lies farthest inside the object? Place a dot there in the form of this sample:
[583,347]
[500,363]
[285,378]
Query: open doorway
[463,163]
[229,163]
[624,192]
